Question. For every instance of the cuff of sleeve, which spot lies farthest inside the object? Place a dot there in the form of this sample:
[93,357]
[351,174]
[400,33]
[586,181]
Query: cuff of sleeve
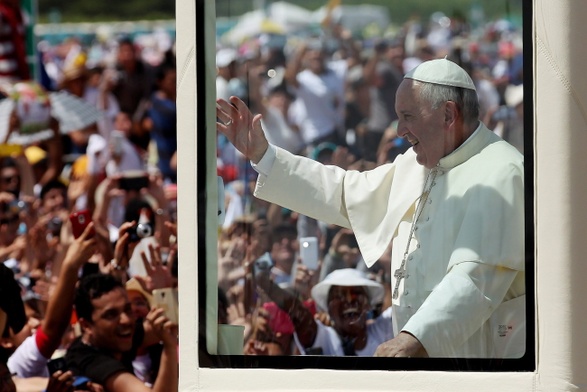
[454,311]
[266,163]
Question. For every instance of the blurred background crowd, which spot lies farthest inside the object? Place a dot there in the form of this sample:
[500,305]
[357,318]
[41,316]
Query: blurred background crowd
[88,194]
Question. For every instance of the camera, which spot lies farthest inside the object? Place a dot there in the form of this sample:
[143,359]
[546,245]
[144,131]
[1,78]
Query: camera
[263,264]
[54,225]
[140,231]
[15,206]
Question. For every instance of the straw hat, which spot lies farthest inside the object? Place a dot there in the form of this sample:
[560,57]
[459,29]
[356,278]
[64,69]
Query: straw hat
[133,285]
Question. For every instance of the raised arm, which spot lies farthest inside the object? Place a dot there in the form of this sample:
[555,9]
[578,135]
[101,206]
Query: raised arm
[295,66]
[55,155]
[303,321]
[61,302]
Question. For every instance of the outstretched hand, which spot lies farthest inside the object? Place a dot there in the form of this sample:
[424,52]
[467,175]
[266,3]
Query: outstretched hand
[242,129]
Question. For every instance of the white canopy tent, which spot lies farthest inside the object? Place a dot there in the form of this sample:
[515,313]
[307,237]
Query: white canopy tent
[286,18]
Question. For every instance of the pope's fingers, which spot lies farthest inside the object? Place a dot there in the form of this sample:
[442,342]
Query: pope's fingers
[242,108]
[227,110]
[225,118]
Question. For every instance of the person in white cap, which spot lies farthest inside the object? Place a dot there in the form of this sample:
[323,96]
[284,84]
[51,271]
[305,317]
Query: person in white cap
[225,64]
[348,296]
[452,206]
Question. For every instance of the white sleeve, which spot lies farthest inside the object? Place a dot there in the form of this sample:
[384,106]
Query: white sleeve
[460,304]
[264,166]
[27,361]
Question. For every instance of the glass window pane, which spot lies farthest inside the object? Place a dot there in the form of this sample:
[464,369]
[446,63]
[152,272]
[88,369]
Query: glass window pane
[404,223]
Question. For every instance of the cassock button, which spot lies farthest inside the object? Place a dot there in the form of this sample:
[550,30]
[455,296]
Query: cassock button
[406,292]
[429,201]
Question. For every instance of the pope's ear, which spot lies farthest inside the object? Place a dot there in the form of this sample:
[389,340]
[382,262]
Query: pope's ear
[451,112]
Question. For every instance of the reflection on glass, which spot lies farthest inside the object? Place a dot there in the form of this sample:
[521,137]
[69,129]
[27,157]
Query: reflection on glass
[408,240]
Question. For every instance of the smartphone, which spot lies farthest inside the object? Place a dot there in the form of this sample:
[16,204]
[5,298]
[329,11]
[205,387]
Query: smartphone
[262,264]
[133,183]
[117,140]
[80,383]
[57,364]
[309,252]
[167,299]
[79,221]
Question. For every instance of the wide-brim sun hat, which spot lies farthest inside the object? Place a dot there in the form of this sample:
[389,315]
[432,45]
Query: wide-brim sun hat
[347,277]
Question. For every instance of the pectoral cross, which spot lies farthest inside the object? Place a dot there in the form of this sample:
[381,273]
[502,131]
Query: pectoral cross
[399,274]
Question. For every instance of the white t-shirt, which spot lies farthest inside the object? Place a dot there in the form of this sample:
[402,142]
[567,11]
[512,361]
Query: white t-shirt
[222,90]
[322,100]
[328,340]
[27,361]
[279,132]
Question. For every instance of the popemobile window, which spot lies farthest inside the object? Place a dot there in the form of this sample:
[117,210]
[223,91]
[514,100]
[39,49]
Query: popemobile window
[371,186]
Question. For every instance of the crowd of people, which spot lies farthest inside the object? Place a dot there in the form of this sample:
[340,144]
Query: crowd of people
[88,216]
[332,99]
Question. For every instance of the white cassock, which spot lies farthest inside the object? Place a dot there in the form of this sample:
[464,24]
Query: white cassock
[463,291]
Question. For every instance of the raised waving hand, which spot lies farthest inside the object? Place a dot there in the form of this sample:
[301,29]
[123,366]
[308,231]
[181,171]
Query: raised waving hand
[241,128]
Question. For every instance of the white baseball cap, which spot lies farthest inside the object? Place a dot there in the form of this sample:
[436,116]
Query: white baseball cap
[225,56]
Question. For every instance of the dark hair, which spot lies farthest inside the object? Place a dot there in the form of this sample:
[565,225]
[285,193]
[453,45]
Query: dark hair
[125,41]
[8,162]
[92,287]
[283,230]
[53,184]
[163,70]
[11,301]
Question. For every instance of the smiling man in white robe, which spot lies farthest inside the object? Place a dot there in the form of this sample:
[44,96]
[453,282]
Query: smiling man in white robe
[452,206]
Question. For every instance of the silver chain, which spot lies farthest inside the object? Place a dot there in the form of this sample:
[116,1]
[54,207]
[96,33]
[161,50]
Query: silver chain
[401,273]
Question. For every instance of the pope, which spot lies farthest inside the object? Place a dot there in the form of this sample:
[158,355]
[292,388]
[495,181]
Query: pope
[452,207]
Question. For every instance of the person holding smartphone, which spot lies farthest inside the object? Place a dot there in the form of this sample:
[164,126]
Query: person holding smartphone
[111,336]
